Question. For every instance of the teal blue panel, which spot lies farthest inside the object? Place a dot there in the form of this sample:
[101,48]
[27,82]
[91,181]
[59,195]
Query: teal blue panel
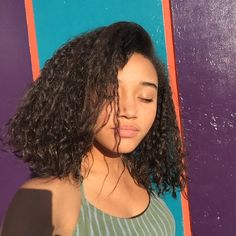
[57,21]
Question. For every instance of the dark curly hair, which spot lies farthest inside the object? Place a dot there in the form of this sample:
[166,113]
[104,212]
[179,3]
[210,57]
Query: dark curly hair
[54,127]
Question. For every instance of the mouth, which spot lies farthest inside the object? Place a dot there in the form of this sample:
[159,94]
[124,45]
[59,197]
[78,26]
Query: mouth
[127,131]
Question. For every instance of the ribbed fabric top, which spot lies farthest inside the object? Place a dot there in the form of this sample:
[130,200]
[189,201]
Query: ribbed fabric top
[155,220]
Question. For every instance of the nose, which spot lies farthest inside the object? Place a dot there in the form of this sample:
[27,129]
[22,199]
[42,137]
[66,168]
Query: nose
[127,107]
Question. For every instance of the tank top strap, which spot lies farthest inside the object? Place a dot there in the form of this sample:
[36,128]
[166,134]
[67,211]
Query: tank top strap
[82,192]
[85,206]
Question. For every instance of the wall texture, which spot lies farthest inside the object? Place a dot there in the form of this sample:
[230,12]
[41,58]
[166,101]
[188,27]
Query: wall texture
[205,48]
[15,74]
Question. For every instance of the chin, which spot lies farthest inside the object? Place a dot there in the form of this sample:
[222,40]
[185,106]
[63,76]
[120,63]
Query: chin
[125,148]
[126,151]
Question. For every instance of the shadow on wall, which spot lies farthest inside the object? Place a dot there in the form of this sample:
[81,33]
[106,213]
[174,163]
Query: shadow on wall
[20,216]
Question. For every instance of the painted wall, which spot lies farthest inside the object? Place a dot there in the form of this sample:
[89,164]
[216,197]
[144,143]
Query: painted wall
[205,49]
[55,23]
[205,52]
[15,74]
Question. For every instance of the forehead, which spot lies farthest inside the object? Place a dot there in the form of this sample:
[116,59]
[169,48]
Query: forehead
[138,69]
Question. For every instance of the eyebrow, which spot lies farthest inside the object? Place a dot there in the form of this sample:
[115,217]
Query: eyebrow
[146,83]
[150,84]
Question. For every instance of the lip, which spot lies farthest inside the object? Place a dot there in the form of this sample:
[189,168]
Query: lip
[127,131]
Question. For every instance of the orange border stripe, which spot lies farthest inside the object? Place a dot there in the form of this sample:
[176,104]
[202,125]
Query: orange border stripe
[32,38]
[172,75]
[174,88]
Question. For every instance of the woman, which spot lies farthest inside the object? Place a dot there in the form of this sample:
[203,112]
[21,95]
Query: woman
[99,132]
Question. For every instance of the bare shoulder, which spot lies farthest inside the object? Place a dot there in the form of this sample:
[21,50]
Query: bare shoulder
[43,207]
[55,185]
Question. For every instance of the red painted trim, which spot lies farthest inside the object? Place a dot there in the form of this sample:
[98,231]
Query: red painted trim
[32,38]
[174,87]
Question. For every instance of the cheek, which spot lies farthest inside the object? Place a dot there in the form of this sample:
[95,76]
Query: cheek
[104,117]
[148,120]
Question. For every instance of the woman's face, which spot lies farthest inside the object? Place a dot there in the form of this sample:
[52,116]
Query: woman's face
[137,103]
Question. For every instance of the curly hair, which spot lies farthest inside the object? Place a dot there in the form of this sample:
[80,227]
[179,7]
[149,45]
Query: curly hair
[54,127]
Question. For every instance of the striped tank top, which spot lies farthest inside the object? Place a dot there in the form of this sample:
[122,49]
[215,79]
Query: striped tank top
[155,220]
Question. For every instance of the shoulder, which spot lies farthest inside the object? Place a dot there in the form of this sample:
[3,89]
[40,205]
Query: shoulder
[59,188]
[42,206]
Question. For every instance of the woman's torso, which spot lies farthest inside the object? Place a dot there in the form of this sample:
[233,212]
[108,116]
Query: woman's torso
[155,220]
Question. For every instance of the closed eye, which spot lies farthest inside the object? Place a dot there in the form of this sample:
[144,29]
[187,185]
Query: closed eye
[146,100]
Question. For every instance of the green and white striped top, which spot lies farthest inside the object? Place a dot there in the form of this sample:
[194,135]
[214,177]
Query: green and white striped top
[155,220]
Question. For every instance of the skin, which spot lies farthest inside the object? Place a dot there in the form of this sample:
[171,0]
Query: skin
[137,96]
[107,183]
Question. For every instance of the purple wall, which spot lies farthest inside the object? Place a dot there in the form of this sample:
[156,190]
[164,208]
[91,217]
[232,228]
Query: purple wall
[205,39]
[15,74]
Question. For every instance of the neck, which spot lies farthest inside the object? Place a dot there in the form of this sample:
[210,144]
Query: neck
[102,161]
